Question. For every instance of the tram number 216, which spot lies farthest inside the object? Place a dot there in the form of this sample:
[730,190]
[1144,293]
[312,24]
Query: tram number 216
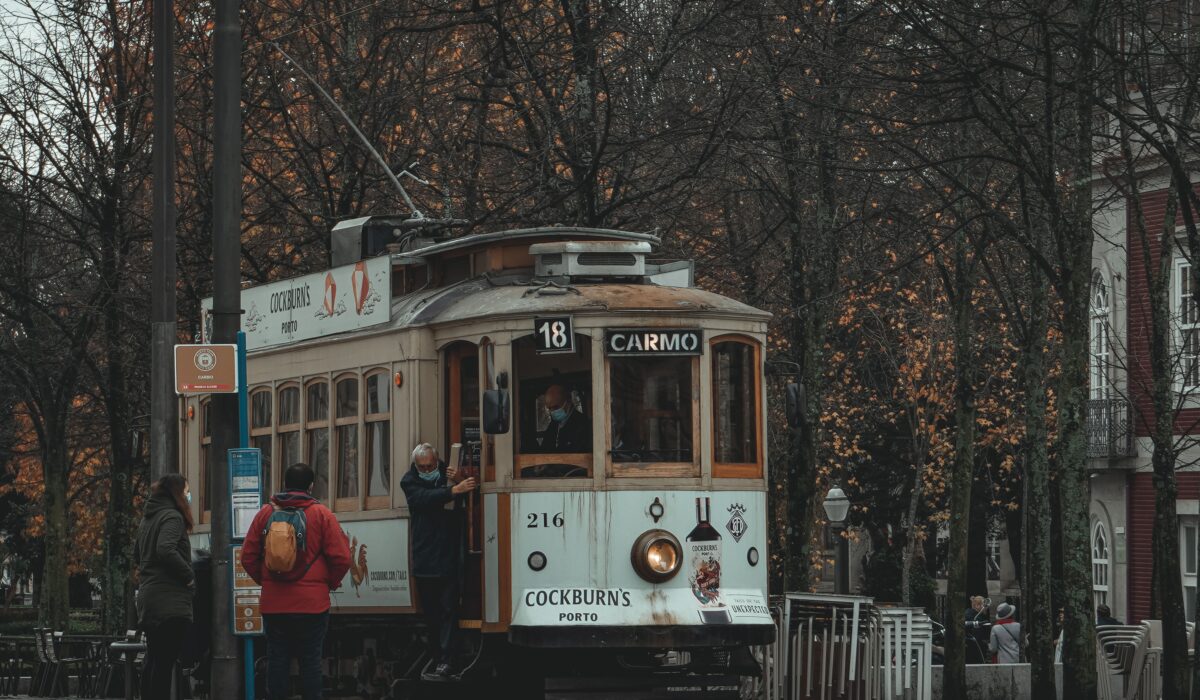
[544,520]
[554,334]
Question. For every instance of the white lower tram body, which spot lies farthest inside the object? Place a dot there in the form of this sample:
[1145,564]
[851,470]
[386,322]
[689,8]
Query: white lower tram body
[588,593]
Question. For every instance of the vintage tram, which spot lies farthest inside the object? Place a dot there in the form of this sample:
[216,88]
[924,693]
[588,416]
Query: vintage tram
[639,544]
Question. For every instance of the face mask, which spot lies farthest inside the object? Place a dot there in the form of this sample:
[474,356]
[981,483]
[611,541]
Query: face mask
[559,414]
[188,496]
[429,475]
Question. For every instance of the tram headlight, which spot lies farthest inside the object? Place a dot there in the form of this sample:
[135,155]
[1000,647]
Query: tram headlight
[656,556]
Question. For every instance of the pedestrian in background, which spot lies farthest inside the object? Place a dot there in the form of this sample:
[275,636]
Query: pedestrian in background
[1006,636]
[166,585]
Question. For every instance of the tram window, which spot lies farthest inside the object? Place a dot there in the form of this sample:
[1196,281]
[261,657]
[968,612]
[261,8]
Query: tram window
[346,438]
[553,409]
[289,431]
[379,452]
[316,398]
[735,403]
[652,409]
[260,426]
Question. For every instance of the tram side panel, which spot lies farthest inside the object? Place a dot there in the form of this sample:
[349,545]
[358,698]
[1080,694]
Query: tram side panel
[588,593]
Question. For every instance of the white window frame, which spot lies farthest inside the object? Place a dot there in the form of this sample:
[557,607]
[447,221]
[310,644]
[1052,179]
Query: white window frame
[1189,576]
[1101,545]
[1188,379]
[1099,355]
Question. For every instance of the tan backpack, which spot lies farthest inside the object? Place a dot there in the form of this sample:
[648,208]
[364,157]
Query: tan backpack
[283,539]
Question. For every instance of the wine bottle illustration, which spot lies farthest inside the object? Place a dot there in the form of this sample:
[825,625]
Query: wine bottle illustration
[704,557]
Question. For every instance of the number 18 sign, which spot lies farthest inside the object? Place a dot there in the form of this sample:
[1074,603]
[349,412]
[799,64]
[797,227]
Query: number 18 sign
[553,334]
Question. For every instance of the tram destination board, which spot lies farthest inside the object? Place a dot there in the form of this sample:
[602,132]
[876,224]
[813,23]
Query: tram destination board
[553,335]
[653,341]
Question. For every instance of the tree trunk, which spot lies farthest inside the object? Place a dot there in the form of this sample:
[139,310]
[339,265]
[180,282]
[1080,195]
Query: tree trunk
[1079,632]
[1039,617]
[54,609]
[962,471]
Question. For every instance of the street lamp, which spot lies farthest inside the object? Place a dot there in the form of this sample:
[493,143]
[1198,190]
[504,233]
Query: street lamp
[837,507]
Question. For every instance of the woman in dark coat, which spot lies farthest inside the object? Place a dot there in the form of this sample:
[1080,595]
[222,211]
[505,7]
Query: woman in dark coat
[166,583]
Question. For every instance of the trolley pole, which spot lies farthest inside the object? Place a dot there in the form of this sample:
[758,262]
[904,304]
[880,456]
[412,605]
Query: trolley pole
[226,235]
[164,428]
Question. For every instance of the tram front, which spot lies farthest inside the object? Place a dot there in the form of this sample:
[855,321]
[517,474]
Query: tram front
[627,507]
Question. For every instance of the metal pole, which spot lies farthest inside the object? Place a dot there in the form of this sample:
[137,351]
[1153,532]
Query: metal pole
[226,235]
[244,441]
[842,562]
[164,440]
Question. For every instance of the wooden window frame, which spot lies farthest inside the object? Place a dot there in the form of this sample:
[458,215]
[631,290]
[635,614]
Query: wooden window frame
[347,503]
[376,502]
[202,463]
[269,431]
[583,460]
[737,470]
[313,425]
[487,380]
[644,470]
[282,430]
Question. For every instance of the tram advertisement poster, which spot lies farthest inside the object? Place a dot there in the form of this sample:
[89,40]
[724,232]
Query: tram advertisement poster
[378,576]
[340,300]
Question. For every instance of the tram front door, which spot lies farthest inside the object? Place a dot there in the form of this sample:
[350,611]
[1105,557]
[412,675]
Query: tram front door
[462,422]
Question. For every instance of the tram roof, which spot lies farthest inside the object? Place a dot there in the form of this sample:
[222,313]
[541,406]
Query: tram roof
[517,295]
[541,232]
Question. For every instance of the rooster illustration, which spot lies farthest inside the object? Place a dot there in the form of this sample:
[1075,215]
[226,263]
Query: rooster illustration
[358,565]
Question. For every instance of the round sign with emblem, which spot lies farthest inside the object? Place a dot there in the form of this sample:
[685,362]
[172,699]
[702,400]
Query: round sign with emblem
[205,360]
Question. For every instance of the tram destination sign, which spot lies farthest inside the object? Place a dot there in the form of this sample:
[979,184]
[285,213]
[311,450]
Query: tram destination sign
[344,299]
[653,341]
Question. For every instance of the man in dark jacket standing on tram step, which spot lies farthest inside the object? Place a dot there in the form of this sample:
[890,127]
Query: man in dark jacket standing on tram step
[295,603]
[432,492]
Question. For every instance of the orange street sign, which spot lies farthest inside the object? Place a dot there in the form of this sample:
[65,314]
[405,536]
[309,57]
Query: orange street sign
[206,369]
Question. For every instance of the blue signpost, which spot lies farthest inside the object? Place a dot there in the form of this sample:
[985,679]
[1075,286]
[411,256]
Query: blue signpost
[245,485]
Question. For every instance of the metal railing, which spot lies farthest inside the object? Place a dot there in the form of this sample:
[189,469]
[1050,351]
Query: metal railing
[1109,429]
[842,647]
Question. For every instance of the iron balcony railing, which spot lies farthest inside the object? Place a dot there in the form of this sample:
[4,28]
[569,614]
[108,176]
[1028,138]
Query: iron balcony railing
[1109,429]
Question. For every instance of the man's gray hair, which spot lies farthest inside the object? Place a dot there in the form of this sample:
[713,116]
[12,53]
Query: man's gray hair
[424,449]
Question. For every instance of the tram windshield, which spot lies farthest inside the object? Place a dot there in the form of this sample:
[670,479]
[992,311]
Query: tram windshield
[652,409]
[554,411]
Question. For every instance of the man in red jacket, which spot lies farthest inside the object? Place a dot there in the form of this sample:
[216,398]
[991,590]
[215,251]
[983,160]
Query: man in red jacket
[295,605]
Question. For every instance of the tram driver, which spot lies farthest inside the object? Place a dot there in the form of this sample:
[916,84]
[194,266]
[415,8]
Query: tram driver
[569,430]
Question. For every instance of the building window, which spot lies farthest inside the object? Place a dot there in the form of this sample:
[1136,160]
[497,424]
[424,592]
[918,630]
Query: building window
[379,444]
[1100,568]
[1187,542]
[1188,312]
[346,440]
[288,432]
[316,433]
[736,401]
[1099,360]
[993,557]
[260,430]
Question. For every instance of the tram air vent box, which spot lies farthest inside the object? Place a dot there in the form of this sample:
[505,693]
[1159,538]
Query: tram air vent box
[361,238]
[593,259]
